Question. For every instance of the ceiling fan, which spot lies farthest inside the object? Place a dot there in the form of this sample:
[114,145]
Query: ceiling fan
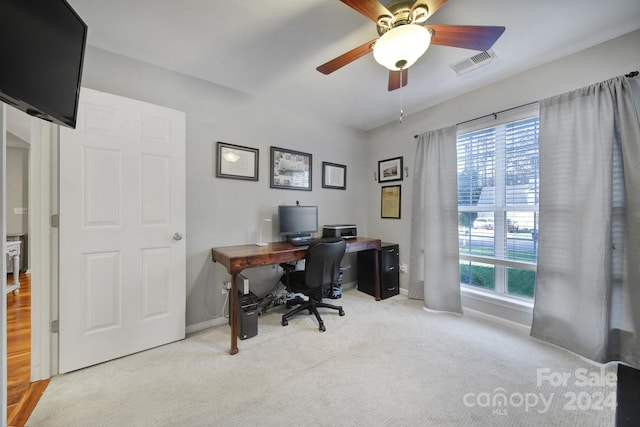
[404,36]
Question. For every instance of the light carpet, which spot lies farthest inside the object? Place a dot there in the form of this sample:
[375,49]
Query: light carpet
[386,363]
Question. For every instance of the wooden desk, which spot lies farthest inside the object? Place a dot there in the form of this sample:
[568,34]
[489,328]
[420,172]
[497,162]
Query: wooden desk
[237,258]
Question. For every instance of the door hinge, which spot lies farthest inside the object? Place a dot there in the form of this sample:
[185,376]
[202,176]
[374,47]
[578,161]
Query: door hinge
[55,220]
[54,327]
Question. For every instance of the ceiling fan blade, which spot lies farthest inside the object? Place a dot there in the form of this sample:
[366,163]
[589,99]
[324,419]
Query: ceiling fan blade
[394,79]
[346,58]
[465,36]
[372,9]
[432,5]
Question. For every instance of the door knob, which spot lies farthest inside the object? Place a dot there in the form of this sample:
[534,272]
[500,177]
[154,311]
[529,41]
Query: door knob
[177,236]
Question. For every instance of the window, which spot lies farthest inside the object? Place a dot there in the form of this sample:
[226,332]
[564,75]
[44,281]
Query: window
[498,203]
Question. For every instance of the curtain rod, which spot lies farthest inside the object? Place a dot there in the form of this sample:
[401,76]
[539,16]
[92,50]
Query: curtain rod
[631,75]
[492,114]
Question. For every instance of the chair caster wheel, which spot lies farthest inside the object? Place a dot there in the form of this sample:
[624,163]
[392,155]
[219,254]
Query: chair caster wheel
[322,328]
[284,322]
[341,312]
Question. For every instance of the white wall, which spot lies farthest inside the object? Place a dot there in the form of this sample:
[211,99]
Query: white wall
[17,195]
[222,212]
[611,59]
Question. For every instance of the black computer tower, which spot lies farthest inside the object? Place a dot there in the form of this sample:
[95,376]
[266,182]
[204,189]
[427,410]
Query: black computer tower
[247,315]
[389,270]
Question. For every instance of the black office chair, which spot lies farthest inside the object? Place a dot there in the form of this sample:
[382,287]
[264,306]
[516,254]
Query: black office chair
[322,265]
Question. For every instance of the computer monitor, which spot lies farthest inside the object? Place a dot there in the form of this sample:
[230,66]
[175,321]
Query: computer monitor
[295,221]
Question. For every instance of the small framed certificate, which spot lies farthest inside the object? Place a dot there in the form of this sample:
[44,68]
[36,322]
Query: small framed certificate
[390,201]
[237,162]
[334,176]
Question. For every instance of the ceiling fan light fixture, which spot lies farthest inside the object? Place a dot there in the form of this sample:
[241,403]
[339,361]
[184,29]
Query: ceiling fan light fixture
[400,47]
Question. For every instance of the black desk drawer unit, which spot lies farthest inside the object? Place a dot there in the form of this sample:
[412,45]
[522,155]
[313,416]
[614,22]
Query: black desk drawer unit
[389,263]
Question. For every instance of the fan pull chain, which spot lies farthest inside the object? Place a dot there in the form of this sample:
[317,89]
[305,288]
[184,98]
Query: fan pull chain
[401,97]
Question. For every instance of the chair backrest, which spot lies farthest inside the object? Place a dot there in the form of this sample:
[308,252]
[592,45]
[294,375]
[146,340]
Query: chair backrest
[322,262]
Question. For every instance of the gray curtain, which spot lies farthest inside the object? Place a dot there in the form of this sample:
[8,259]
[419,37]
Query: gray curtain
[588,276]
[434,272]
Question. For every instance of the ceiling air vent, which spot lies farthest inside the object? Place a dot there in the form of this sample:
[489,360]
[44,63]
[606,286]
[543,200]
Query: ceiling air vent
[473,63]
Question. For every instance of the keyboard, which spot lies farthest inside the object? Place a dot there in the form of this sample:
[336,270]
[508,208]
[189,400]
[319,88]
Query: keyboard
[303,241]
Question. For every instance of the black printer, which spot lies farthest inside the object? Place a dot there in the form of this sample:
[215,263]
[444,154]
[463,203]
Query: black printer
[347,231]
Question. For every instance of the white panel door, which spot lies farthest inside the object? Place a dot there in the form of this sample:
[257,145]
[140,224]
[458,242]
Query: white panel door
[122,218]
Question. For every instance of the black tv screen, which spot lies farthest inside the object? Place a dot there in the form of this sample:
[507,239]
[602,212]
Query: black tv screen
[297,220]
[42,44]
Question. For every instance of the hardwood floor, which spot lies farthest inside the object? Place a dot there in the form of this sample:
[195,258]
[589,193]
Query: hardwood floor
[22,395]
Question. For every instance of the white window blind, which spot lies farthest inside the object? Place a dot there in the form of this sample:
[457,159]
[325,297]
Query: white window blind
[498,186]
[476,168]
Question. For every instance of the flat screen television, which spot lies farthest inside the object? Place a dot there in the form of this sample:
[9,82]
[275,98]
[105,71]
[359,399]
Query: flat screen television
[297,221]
[42,51]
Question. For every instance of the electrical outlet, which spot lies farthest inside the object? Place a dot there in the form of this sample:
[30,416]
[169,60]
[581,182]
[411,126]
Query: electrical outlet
[403,268]
[225,287]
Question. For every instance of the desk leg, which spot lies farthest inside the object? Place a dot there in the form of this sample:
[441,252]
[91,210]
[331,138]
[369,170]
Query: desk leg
[376,275]
[233,313]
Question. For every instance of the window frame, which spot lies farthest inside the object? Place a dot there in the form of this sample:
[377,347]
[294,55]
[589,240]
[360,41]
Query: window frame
[500,207]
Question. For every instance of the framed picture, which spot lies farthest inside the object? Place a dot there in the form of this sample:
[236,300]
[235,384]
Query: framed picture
[237,162]
[290,169]
[390,170]
[390,202]
[334,176]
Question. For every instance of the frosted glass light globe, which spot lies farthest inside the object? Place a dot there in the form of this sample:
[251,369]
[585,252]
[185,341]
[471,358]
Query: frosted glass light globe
[400,47]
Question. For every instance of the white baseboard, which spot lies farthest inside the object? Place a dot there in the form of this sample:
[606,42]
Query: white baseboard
[510,310]
[513,313]
[197,327]
[349,285]
[524,329]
